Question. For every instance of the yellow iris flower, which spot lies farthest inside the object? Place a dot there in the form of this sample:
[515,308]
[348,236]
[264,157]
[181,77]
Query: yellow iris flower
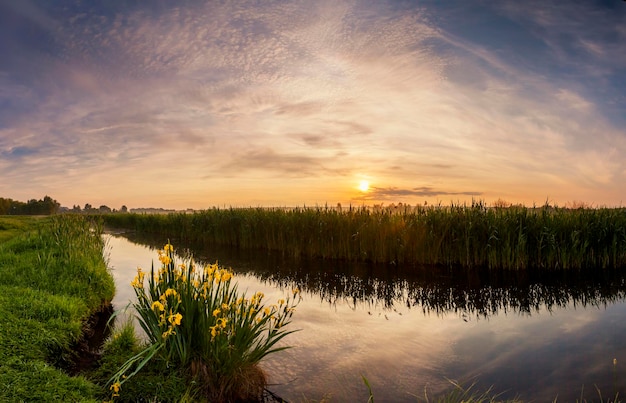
[175,319]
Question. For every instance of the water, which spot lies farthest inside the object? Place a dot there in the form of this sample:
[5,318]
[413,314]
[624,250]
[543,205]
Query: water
[526,335]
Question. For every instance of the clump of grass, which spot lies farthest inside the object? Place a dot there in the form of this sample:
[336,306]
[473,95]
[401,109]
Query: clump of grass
[197,320]
[469,394]
[156,382]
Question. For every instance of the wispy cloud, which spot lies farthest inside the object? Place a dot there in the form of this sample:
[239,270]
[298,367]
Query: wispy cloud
[393,193]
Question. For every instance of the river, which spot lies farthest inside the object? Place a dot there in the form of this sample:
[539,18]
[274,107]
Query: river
[533,336]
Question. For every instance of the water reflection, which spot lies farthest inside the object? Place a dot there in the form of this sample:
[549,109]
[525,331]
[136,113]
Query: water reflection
[536,336]
[468,293]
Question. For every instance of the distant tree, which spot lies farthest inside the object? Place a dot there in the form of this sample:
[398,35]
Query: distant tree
[49,206]
[45,206]
[87,207]
[104,209]
[5,206]
[124,209]
[76,209]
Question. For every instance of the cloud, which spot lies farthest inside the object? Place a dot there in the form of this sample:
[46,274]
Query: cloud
[280,165]
[328,90]
[393,193]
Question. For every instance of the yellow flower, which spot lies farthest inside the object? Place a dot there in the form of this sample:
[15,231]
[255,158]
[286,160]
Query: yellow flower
[138,280]
[226,275]
[168,248]
[295,291]
[281,301]
[170,292]
[210,269]
[168,333]
[267,311]
[165,259]
[221,322]
[216,312]
[116,389]
[214,331]
[158,305]
[175,319]
[260,295]
[135,283]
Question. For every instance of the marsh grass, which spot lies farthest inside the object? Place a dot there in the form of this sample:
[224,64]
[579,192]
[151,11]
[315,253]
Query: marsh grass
[511,238]
[197,321]
[52,277]
[468,394]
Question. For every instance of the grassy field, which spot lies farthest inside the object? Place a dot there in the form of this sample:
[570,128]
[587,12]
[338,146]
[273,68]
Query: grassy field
[511,238]
[52,278]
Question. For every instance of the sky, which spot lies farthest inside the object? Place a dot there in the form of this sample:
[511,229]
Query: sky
[195,104]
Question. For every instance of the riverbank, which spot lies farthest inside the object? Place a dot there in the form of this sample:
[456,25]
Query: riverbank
[53,277]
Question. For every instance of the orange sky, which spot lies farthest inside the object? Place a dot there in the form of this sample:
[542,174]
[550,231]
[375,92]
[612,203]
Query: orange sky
[287,104]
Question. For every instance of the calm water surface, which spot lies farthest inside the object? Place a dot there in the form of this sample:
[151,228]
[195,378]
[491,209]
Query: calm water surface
[536,338]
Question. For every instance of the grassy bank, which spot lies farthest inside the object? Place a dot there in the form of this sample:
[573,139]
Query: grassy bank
[52,278]
[513,238]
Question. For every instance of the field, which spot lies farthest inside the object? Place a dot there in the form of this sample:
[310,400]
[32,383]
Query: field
[468,236]
[52,278]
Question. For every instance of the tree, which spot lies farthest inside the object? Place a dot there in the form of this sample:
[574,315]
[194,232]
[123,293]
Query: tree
[45,206]
[104,209]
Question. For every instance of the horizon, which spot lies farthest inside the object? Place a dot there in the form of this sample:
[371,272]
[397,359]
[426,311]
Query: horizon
[201,104]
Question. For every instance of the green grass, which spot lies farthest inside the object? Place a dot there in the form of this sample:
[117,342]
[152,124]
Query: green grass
[513,238]
[156,382]
[52,277]
[10,226]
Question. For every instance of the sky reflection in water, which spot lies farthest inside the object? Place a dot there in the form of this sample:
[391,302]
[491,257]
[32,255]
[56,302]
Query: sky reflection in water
[536,339]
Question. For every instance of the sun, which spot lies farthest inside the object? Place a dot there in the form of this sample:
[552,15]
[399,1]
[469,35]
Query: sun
[364,186]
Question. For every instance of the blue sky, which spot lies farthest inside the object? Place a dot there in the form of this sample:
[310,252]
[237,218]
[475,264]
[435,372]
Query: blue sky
[196,104]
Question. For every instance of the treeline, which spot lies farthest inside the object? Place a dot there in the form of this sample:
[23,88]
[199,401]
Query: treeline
[513,238]
[89,209]
[45,206]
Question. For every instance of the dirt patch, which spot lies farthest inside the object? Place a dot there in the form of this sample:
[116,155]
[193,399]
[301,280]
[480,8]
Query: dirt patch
[85,353]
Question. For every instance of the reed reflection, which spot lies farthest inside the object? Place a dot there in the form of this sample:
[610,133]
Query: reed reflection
[467,293]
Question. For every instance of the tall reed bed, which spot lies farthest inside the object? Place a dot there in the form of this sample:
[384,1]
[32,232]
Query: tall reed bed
[512,238]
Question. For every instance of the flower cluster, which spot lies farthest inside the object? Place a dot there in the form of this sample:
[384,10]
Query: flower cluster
[198,316]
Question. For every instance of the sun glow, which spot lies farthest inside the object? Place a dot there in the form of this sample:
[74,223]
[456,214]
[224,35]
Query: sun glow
[364,186]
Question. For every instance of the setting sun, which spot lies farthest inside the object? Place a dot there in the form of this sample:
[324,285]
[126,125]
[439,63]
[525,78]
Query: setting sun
[364,186]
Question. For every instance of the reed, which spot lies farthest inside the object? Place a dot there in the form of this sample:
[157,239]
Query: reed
[476,235]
